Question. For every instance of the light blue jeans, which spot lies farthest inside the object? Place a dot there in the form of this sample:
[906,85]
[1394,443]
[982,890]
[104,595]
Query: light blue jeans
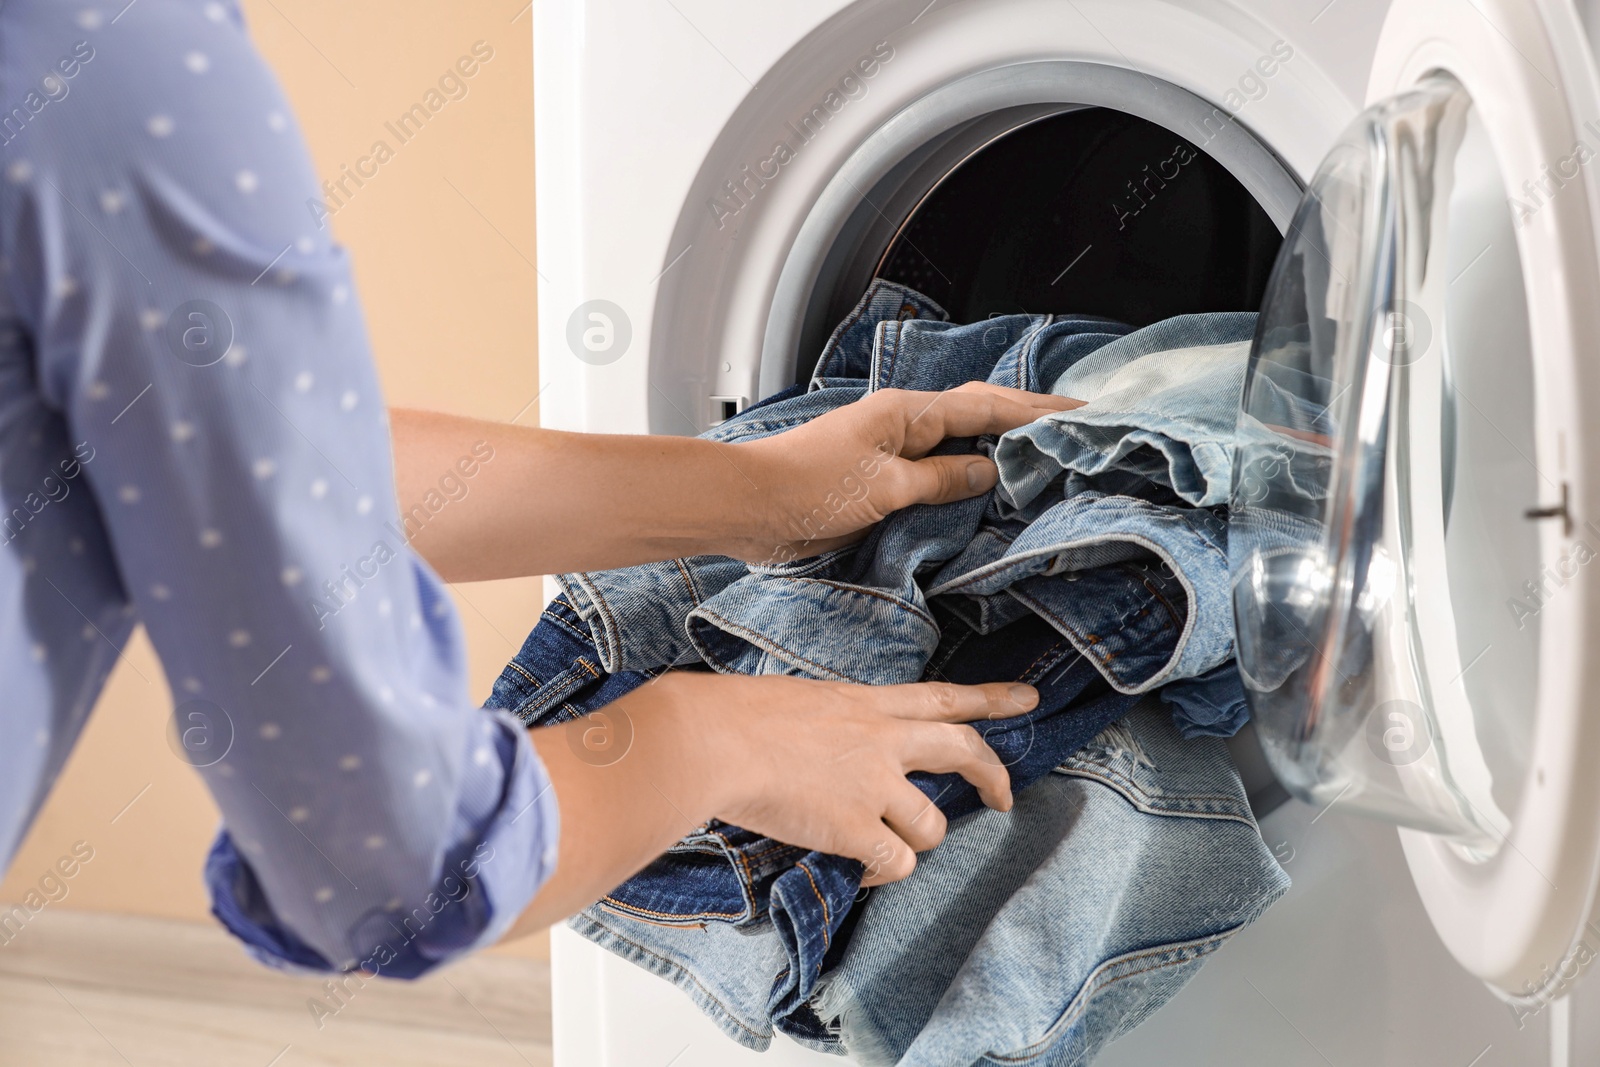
[1040,936]
[1113,555]
[1162,403]
[1036,936]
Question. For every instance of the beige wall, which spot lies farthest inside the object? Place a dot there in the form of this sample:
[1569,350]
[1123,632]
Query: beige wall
[442,240]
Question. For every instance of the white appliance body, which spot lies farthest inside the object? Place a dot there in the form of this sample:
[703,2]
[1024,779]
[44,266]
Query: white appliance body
[660,195]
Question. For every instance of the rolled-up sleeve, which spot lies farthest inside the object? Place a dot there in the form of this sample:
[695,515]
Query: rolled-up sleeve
[189,320]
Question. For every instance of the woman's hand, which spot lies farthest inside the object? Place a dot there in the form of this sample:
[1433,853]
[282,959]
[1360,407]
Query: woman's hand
[820,765]
[484,500]
[823,765]
[830,480]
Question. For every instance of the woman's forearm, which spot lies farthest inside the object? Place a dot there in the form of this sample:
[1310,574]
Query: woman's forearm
[630,780]
[483,500]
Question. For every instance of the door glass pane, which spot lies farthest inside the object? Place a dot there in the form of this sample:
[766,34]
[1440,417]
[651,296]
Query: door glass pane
[1384,467]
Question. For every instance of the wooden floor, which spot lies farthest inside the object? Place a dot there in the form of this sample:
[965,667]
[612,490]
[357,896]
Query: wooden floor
[81,990]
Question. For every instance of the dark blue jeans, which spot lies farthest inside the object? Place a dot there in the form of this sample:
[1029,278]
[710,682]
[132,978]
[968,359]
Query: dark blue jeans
[722,873]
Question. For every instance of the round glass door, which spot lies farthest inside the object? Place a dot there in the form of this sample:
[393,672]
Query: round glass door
[1388,580]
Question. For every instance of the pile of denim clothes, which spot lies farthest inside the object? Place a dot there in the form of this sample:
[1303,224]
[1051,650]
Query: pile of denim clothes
[1096,571]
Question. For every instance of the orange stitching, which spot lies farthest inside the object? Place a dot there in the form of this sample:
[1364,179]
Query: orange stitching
[749,876]
[694,594]
[827,922]
[1172,612]
[624,906]
[605,609]
[1072,631]
[1048,652]
[777,847]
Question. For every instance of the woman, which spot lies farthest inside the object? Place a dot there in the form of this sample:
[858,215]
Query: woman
[192,436]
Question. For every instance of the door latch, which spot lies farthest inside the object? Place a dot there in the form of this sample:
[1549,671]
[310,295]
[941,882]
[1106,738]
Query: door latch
[1557,511]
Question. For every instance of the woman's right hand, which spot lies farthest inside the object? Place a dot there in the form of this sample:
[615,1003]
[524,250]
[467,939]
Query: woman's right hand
[823,765]
[819,765]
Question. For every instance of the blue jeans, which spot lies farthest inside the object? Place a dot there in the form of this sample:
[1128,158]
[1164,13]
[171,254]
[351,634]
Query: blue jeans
[1123,566]
[722,874]
[1040,935]
[1035,936]
[1161,404]
[1104,583]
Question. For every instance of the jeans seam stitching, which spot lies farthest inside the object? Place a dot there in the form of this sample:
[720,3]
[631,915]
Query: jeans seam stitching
[1146,799]
[766,644]
[623,905]
[1089,643]
[889,598]
[1028,350]
[885,371]
[1047,652]
[845,327]
[827,922]
[1175,953]
[688,581]
[515,666]
[567,625]
[748,889]
[610,629]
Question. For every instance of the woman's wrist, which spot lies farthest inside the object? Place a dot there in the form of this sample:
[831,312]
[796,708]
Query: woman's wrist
[697,742]
[758,479]
[671,727]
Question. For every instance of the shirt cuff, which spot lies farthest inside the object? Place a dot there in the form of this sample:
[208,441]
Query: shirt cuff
[485,881]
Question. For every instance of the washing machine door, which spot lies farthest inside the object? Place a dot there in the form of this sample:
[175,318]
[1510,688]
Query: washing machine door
[1415,523]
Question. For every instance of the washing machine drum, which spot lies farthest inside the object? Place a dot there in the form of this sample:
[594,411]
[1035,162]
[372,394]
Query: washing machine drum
[1088,212]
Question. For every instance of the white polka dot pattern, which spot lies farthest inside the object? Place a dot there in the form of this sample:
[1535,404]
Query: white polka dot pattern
[206,394]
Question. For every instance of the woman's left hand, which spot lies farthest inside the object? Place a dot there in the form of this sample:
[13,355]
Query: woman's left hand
[826,482]
[543,501]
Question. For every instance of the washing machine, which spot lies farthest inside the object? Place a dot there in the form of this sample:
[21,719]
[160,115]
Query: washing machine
[1405,192]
